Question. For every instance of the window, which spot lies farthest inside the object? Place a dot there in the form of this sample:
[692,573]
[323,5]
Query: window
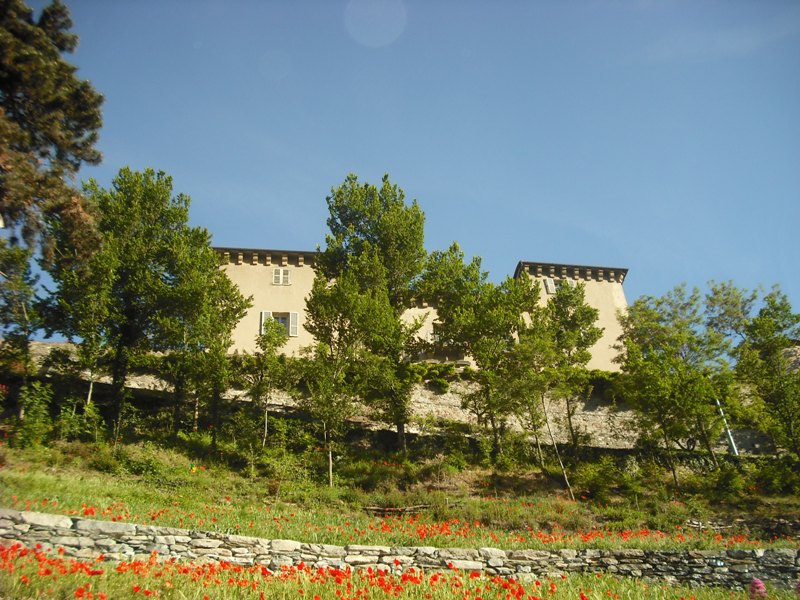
[570,282]
[549,285]
[289,320]
[280,276]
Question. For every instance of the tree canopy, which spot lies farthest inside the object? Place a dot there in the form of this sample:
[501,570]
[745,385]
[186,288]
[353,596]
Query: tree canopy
[49,120]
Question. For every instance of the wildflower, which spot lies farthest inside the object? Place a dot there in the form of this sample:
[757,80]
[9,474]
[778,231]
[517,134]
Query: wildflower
[757,589]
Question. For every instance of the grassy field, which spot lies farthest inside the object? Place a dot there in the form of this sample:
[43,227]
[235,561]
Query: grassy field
[147,483]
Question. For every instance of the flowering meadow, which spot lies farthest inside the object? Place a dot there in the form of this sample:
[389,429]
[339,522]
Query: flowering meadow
[211,498]
[278,522]
[31,573]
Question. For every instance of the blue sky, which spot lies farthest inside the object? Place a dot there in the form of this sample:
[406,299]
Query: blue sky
[659,136]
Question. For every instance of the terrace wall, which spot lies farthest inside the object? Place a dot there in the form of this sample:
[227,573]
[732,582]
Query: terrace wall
[85,538]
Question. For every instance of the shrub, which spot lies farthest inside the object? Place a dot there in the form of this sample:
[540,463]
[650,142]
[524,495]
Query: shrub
[778,476]
[596,479]
[79,421]
[35,425]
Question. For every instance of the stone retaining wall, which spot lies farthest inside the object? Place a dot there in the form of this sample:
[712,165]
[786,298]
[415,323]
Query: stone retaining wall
[85,538]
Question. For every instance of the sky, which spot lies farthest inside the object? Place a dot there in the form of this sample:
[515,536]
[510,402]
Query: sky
[658,136]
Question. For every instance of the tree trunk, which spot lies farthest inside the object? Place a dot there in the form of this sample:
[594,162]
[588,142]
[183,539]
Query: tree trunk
[539,449]
[401,437]
[329,443]
[119,375]
[91,389]
[196,414]
[671,461]
[266,425]
[555,447]
[707,444]
[215,416]
[573,436]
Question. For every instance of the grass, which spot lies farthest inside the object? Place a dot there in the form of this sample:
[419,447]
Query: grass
[145,483]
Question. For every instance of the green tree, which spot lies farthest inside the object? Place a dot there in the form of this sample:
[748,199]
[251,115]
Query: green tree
[19,314]
[265,371]
[530,374]
[198,312]
[336,371]
[151,283]
[573,334]
[768,364]
[482,320]
[378,239]
[49,119]
[78,307]
[674,369]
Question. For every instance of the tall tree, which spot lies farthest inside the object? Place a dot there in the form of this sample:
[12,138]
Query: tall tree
[49,119]
[674,369]
[265,371]
[19,314]
[767,331]
[340,317]
[378,239]
[481,320]
[574,332]
[152,283]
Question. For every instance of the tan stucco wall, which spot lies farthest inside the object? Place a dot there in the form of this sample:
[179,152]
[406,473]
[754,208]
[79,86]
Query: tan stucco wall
[254,277]
[603,289]
[252,271]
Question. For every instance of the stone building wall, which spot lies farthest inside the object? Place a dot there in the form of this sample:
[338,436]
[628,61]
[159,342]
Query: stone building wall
[85,538]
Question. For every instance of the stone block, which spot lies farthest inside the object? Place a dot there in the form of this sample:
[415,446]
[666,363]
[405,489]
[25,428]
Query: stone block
[370,550]
[205,543]
[496,562]
[72,542]
[10,514]
[359,559]
[243,540]
[528,555]
[450,554]
[395,559]
[491,553]
[104,527]
[467,565]
[285,546]
[46,520]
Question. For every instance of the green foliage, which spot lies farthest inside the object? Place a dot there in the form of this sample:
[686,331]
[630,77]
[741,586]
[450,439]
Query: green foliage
[482,320]
[79,421]
[365,281]
[777,476]
[19,314]
[596,480]
[726,483]
[34,425]
[49,120]
[674,368]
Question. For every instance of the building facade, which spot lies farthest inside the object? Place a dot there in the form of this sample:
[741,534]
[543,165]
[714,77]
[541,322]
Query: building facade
[279,282]
[604,292]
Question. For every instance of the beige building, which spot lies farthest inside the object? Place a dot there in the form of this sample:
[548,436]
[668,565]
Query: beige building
[603,291]
[280,281]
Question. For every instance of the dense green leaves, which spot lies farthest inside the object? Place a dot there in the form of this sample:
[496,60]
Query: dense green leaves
[365,281]
[152,283]
[49,118]
[675,368]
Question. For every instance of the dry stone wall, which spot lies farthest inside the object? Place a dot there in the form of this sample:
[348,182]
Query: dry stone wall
[85,538]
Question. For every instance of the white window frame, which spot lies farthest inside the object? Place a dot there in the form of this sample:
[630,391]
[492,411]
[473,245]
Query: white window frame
[280,276]
[292,325]
[549,285]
